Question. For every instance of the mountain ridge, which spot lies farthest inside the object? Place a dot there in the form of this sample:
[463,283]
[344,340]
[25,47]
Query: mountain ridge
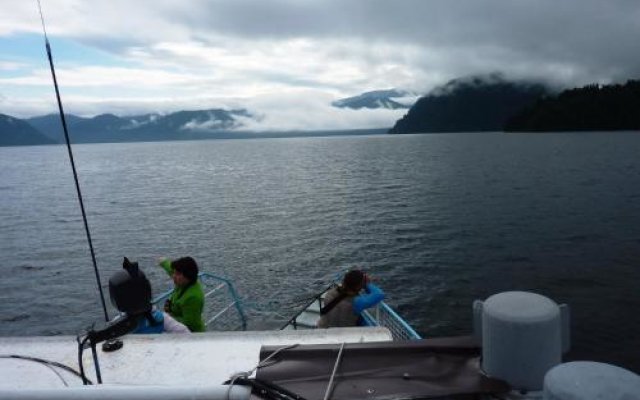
[374,99]
[471,104]
[590,108]
[146,127]
[16,132]
[181,125]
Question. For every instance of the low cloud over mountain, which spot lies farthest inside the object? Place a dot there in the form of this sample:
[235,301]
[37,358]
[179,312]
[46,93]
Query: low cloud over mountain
[151,127]
[390,99]
[181,125]
[473,104]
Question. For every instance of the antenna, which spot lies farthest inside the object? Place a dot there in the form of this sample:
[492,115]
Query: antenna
[73,165]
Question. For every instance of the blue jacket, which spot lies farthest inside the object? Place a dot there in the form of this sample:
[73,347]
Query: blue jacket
[372,295]
[145,327]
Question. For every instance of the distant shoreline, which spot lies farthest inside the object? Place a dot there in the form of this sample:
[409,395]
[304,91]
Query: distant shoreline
[228,136]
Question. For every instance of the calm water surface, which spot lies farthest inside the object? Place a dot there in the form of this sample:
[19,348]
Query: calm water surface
[439,220]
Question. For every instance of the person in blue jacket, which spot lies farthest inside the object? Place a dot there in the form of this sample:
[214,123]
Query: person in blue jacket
[344,304]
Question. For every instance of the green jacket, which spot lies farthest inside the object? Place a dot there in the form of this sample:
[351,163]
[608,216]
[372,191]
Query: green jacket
[186,304]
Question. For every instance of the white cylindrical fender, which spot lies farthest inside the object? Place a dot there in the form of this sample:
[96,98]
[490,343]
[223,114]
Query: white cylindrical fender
[588,380]
[521,338]
[118,392]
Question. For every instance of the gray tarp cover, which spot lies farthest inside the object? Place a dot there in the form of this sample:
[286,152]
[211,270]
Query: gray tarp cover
[421,369]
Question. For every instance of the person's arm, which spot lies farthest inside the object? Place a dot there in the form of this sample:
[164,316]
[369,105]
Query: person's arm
[373,296]
[165,263]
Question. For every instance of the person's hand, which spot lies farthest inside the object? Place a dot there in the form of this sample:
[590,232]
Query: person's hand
[167,306]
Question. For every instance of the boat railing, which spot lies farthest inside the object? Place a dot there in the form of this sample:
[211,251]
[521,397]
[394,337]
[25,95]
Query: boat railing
[313,306]
[383,315]
[380,315]
[222,308]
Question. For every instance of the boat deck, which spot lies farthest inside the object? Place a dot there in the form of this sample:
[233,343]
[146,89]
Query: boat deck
[166,360]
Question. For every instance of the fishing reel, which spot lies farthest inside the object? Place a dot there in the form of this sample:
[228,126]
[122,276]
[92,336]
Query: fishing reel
[130,293]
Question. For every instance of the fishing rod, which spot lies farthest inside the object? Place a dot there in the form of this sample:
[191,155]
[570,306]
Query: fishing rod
[73,165]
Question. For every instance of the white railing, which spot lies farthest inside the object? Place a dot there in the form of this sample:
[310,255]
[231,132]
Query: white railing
[383,315]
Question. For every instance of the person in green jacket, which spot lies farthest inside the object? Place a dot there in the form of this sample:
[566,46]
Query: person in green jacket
[187,300]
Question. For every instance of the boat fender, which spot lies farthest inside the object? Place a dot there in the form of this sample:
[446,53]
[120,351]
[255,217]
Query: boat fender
[522,337]
[589,380]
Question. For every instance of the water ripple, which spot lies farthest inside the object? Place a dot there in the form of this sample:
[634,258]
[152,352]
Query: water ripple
[438,220]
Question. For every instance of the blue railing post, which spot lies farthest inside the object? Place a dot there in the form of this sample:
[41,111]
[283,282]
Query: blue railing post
[234,296]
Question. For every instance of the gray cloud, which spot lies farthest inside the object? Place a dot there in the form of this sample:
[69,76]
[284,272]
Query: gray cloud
[574,41]
[205,51]
[581,40]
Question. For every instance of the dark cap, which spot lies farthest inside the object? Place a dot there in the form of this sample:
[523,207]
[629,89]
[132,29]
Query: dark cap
[186,266]
[353,280]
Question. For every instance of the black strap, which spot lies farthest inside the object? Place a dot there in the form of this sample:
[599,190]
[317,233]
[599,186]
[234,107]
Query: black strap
[331,305]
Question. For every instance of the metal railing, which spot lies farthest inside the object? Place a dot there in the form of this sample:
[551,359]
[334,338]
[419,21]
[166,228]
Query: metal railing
[383,315]
[380,315]
[293,321]
[218,304]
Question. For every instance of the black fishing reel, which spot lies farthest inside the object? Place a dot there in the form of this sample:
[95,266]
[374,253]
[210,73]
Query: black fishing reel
[130,289]
[130,293]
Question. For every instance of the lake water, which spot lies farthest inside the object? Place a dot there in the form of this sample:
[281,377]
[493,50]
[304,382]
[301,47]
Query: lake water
[438,220]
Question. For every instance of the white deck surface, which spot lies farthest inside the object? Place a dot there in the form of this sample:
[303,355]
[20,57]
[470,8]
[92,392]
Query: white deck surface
[167,360]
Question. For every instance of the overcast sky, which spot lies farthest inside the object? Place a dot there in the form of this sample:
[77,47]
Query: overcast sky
[286,60]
